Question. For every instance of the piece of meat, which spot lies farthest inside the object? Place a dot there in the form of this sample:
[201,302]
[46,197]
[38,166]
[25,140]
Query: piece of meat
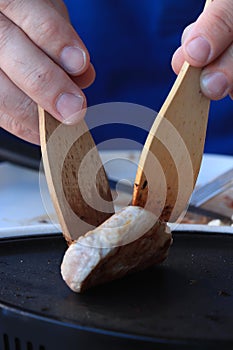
[131,240]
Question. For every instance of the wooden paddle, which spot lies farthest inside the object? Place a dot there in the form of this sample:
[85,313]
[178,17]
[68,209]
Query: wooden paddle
[75,176]
[171,157]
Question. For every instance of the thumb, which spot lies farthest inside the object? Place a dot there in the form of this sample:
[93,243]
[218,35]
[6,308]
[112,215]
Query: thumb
[210,35]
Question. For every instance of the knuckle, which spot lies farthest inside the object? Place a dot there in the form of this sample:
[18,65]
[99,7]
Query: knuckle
[46,30]
[25,108]
[13,100]
[222,19]
[16,126]
[5,4]
[38,80]
[5,28]
[22,131]
[11,124]
[3,120]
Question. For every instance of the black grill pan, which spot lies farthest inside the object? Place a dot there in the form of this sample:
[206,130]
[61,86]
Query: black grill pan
[185,303]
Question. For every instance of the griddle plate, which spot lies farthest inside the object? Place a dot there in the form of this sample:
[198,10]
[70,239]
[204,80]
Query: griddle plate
[190,296]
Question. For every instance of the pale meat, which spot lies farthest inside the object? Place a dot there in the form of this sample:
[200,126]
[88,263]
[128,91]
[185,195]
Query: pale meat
[129,241]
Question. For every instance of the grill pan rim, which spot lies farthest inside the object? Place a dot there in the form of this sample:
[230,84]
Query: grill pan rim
[203,344]
[12,311]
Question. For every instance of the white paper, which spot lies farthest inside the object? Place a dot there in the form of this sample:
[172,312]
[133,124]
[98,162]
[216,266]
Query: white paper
[25,209]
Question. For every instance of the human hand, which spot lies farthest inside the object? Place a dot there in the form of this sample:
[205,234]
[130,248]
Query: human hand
[208,43]
[42,61]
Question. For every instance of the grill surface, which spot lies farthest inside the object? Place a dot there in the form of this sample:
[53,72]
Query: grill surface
[188,300]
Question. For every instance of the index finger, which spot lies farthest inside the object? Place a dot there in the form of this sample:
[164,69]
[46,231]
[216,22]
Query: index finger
[50,31]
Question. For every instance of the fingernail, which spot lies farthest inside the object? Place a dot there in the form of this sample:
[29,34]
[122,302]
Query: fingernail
[73,59]
[198,49]
[214,85]
[69,106]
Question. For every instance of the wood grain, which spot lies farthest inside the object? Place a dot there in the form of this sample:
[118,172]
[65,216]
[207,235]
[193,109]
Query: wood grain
[171,157]
[75,176]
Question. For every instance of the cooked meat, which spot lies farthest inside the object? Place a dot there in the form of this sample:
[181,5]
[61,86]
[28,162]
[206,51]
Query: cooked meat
[131,240]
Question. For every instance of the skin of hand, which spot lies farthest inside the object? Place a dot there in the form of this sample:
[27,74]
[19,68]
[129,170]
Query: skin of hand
[208,43]
[42,61]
